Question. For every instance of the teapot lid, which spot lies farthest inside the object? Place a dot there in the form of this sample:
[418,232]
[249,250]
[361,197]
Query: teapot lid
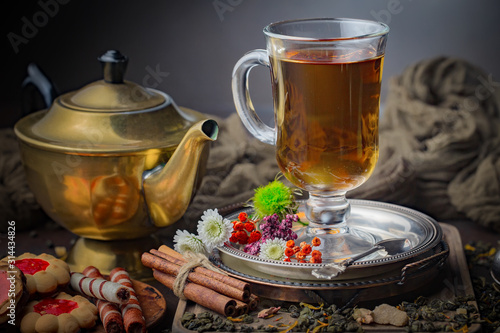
[108,116]
[113,93]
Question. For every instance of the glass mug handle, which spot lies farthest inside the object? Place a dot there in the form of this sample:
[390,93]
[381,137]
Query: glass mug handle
[241,96]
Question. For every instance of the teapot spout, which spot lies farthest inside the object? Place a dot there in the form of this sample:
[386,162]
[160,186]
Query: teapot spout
[168,190]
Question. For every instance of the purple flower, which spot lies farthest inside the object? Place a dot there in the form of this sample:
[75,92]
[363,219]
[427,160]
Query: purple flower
[272,228]
[253,248]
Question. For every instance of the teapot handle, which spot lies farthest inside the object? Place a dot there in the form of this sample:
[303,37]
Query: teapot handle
[241,96]
[36,83]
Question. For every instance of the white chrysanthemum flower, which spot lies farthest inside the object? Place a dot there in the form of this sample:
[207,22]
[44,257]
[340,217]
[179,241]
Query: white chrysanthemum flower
[213,229]
[185,241]
[273,249]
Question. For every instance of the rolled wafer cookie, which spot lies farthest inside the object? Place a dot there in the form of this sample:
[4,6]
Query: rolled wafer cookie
[133,317]
[109,313]
[100,288]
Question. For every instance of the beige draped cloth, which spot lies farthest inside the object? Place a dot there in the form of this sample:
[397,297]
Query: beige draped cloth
[445,112]
[237,165]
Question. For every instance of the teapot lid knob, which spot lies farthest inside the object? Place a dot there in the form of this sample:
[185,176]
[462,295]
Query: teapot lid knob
[114,65]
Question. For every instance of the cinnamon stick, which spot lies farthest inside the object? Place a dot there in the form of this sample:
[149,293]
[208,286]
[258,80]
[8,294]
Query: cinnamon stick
[203,296]
[241,308]
[253,303]
[180,260]
[165,266]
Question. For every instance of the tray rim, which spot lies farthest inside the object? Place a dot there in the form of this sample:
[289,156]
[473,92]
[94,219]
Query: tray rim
[380,280]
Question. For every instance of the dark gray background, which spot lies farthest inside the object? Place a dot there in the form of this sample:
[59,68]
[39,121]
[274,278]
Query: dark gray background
[198,45]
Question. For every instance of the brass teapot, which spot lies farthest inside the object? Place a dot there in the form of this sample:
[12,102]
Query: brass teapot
[114,160]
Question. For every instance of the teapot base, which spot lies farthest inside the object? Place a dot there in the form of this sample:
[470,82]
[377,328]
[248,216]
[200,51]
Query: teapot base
[106,255]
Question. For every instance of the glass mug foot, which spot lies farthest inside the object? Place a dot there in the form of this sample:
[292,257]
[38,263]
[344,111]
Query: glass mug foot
[328,220]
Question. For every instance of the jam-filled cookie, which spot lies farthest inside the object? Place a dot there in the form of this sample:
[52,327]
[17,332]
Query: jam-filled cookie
[13,292]
[62,314]
[45,274]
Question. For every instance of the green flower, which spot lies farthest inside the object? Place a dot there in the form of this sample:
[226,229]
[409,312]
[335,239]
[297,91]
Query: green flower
[274,198]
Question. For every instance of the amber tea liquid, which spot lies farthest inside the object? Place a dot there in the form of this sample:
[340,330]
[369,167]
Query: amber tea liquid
[327,109]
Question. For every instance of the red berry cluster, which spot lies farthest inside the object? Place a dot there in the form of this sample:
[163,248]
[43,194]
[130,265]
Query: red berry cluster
[244,231]
[302,251]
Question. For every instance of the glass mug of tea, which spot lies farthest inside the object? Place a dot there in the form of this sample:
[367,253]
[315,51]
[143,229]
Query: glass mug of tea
[326,76]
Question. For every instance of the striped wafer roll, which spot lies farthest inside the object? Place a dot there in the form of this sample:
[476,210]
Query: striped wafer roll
[133,317]
[109,313]
[100,288]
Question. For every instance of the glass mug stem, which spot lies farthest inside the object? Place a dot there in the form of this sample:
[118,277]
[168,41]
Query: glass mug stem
[328,214]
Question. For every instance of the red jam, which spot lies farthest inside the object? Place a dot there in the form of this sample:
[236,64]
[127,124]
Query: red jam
[31,266]
[55,306]
[4,287]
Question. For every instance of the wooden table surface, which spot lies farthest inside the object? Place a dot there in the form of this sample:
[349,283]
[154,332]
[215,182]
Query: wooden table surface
[44,238]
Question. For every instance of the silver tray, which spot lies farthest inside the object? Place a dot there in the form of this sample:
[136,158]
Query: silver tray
[379,220]
[414,275]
